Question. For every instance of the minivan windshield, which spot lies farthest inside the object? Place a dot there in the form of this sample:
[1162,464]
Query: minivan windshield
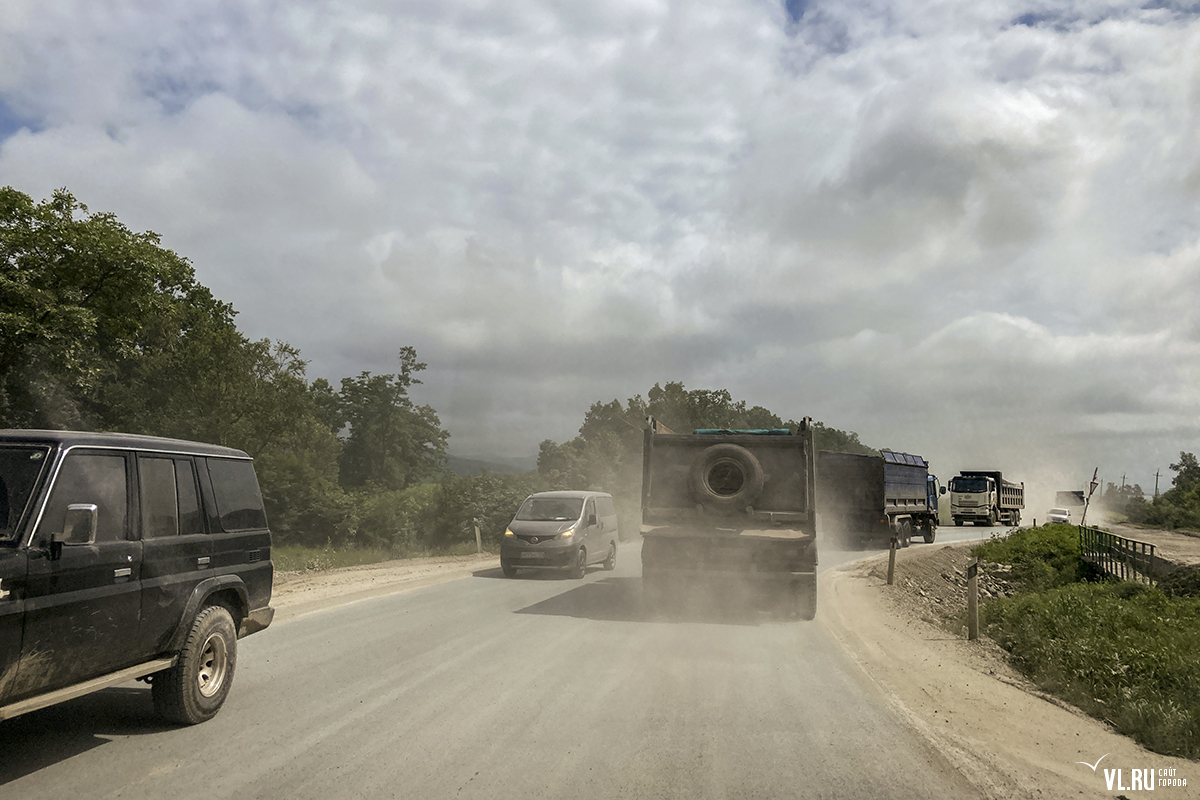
[20,468]
[550,509]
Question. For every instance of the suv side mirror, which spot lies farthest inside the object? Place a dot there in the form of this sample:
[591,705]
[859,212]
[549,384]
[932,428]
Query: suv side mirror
[79,527]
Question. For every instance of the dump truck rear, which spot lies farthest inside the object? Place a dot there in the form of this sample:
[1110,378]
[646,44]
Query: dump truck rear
[725,508]
[866,497]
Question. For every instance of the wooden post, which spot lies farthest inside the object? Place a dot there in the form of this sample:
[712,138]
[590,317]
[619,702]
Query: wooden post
[892,561]
[478,538]
[973,600]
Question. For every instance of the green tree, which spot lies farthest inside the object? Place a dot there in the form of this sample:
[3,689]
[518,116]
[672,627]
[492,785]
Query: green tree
[392,443]
[80,295]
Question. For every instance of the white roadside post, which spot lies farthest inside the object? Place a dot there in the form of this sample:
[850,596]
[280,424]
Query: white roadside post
[478,538]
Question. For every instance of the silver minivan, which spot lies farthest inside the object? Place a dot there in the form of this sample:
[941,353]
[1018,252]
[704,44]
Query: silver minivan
[564,531]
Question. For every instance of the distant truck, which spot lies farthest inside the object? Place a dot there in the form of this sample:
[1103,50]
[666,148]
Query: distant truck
[724,508]
[985,498]
[891,495]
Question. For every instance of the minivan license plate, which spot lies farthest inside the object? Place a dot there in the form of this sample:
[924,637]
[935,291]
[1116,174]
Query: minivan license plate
[533,555]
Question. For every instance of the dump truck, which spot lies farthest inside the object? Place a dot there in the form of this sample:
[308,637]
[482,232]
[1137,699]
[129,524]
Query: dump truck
[983,497]
[883,497]
[728,509]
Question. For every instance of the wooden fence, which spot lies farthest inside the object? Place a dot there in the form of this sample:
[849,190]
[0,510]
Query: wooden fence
[1124,559]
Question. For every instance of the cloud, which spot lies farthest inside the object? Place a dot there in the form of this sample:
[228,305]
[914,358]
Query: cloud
[963,230]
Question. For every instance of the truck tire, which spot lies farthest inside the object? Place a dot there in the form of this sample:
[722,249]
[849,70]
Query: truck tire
[726,477]
[929,532]
[806,598]
[958,522]
[1016,519]
[194,689]
[905,533]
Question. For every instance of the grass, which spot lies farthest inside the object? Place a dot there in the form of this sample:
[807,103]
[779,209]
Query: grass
[1126,653]
[296,558]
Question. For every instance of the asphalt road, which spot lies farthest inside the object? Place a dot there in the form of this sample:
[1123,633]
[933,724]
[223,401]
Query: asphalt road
[488,687]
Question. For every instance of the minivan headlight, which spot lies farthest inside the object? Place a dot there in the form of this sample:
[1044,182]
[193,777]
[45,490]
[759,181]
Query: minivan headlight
[508,532]
[568,533]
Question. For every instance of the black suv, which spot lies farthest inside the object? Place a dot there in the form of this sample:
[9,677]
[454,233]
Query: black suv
[127,557]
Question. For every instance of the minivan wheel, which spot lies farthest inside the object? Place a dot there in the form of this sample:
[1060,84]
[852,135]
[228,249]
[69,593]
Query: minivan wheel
[509,570]
[580,565]
[194,689]
[610,563]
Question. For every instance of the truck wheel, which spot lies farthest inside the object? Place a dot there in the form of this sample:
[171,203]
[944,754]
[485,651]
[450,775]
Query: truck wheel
[727,477]
[610,563]
[806,598]
[929,532]
[1016,519]
[509,570]
[193,690]
[905,533]
[991,519]
[579,566]
[958,522]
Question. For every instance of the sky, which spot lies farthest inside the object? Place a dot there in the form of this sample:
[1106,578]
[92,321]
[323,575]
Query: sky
[966,230]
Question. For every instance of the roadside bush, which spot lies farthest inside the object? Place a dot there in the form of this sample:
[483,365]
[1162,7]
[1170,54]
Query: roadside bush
[1183,582]
[1125,653]
[1041,558]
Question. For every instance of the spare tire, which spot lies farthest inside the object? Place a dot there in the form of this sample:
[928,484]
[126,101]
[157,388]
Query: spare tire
[726,477]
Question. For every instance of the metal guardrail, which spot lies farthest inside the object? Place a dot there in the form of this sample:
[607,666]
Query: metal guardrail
[1125,559]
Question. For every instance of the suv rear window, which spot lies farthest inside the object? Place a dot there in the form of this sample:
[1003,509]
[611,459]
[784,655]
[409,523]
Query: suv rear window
[235,488]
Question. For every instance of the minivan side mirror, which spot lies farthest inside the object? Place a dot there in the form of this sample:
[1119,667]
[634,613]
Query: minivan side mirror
[591,519]
[943,490]
[79,527]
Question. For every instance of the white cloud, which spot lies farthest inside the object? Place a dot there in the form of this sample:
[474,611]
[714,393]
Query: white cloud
[900,217]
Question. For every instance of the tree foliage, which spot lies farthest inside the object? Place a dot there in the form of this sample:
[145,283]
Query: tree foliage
[392,443]
[102,328]
[1179,506]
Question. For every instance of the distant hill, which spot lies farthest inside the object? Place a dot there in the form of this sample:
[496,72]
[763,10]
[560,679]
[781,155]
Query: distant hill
[474,466]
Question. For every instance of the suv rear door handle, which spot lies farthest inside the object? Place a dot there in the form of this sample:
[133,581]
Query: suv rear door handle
[202,561]
[123,572]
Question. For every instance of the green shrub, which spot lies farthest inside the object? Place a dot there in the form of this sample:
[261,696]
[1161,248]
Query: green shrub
[1125,653]
[1183,582]
[1041,558]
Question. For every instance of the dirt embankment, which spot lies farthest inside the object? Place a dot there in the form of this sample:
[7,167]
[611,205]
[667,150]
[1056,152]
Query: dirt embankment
[297,593]
[964,698]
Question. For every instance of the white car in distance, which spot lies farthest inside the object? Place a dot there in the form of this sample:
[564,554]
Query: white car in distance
[1059,516]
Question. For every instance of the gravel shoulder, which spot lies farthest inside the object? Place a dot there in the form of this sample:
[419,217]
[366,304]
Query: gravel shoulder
[297,593]
[1000,731]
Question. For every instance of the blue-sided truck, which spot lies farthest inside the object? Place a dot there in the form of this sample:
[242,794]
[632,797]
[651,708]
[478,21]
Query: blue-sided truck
[730,512]
[878,498]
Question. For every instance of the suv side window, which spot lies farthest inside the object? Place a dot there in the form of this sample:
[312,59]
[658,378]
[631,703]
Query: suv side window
[90,478]
[235,488]
[170,502]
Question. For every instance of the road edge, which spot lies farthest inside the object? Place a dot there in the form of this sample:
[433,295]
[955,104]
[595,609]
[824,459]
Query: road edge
[1005,738]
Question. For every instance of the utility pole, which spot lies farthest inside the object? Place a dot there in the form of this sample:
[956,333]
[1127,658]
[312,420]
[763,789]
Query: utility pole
[1156,483]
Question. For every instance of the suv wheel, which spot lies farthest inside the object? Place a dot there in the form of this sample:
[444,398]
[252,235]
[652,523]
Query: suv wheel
[194,689]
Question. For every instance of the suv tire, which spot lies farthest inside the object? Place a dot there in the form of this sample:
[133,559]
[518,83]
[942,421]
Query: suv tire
[194,689]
